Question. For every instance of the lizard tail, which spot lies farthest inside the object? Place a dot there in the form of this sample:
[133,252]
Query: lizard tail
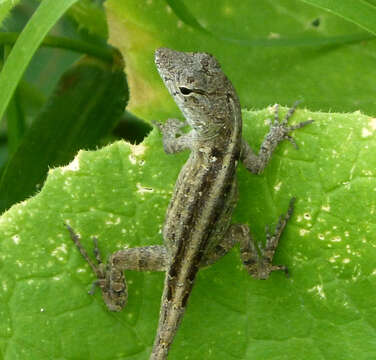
[177,290]
[171,314]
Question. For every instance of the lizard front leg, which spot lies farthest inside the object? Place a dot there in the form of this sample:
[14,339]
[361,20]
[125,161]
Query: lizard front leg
[111,279]
[174,139]
[278,132]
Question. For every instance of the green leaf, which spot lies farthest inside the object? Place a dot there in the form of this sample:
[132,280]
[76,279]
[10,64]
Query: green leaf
[88,101]
[325,310]
[260,47]
[359,12]
[47,14]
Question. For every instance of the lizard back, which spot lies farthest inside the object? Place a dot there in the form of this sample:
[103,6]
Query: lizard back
[205,193]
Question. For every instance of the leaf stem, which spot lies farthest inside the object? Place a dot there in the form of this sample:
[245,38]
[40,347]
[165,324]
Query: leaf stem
[15,116]
[103,53]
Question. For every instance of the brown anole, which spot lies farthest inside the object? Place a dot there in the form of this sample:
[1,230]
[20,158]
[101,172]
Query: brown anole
[197,229]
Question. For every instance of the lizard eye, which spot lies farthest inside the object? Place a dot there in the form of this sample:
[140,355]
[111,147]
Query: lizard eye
[185,91]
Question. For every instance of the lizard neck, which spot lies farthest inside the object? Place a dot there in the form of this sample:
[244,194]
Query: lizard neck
[217,142]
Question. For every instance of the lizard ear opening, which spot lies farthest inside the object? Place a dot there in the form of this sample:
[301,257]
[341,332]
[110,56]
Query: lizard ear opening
[185,91]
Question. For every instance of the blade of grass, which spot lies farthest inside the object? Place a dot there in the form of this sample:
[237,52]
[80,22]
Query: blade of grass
[44,18]
[358,12]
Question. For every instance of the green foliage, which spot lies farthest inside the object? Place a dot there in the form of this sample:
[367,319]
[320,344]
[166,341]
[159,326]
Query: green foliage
[42,21]
[274,52]
[87,103]
[5,7]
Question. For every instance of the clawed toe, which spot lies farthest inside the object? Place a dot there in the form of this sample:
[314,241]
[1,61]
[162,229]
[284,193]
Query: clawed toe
[292,141]
[290,112]
[300,125]
[281,268]
[157,124]
[282,127]
[97,253]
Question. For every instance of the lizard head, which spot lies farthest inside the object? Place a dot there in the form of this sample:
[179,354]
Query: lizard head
[198,86]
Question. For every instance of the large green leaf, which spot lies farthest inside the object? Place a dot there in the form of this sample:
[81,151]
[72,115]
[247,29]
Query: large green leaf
[325,310]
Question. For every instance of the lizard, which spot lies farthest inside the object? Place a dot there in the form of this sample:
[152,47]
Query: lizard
[197,230]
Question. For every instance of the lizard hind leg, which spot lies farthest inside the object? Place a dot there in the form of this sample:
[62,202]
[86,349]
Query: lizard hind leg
[110,275]
[259,260]
[109,279]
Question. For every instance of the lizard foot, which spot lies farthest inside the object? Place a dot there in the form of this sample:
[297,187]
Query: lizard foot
[171,128]
[109,279]
[174,138]
[279,130]
[264,266]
